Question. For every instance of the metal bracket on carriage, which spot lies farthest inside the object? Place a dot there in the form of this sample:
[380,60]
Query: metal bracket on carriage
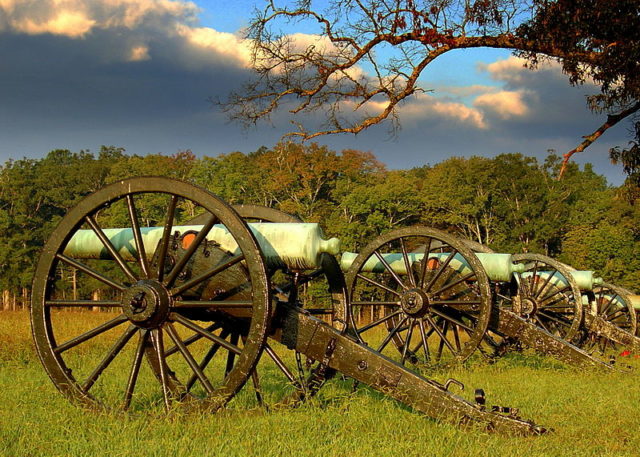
[450,381]
[480,399]
[322,372]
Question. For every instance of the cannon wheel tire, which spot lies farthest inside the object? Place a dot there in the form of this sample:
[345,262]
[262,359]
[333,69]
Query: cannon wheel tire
[437,314]
[604,298]
[101,365]
[558,310]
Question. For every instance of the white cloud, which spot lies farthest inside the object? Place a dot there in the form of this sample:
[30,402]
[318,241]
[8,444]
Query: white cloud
[505,104]
[222,44]
[426,107]
[139,53]
[510,69]
[132,13]
[76,18]
[513,71]
[73,24]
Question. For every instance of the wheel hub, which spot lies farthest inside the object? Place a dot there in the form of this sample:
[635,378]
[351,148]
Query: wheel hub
[527,306]
[414,302]
[146,303]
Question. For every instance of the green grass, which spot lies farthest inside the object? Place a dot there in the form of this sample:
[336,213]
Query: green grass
[592,414]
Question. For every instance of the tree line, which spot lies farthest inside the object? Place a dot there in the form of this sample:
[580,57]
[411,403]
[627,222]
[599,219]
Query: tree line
[511,202]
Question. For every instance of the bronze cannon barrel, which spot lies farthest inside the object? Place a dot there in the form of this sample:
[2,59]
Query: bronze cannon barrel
[499,267]
[295,245]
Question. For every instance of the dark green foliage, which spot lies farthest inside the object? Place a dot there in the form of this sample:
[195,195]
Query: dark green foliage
[511,202]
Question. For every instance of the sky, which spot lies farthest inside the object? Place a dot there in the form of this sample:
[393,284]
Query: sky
[140,74]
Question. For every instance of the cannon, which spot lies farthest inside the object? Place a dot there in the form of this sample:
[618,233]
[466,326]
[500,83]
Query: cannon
[438,302]
[203,303]
[609,318]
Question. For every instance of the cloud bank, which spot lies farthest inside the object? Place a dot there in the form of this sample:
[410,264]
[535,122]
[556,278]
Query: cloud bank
[138,74]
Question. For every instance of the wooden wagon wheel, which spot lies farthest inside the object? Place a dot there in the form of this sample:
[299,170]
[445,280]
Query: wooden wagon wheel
[548,296]
[614,305]
[433,292]
[101,365]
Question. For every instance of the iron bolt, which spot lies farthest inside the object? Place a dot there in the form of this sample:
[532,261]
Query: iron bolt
[138,302]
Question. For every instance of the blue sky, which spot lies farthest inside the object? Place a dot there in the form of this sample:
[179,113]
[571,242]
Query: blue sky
[138,74]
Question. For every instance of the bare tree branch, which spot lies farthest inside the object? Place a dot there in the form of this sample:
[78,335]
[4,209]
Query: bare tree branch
[612,119]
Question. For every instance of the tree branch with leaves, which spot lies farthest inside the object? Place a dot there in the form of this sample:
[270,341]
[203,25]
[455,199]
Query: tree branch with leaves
[359,60]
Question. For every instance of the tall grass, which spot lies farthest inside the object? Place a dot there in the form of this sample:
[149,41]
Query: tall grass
[592,414]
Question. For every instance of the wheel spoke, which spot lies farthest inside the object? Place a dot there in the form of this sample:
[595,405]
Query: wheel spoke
[455,283]
[90,334]
[405,256]
[389,269]
[456,337]
[535,269]
[135,369]
[231,357]
[177,269]
[189,358]
[553,294]
[255,380]
[192,339]
[280,364]
[425,262]
[554,319]
[424,337]
[378,322]
[456,302]
[391,333]
[210,336]
[137,236]
[407,342]
[375,303]
[442,268]
[212,304]
[84,303]
[608,305]
[166,236]
[206,359]
[113,352]
[551,274]
[158,345]
[442,335]
[445,328]
[619,313]
[91,272]
[550,307]
[377,284]
[106,242]
[452,320]
[206,275]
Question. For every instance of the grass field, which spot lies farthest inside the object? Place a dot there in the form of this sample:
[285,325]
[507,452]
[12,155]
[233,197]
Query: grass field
[591,414]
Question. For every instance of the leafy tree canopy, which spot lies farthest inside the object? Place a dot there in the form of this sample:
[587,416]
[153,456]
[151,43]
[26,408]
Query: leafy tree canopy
[369,55]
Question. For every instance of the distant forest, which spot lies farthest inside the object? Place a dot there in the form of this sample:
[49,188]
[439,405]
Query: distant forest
[511,202]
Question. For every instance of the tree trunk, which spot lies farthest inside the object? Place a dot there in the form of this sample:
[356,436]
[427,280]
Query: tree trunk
[95,295]
[6,299]
[74,280]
